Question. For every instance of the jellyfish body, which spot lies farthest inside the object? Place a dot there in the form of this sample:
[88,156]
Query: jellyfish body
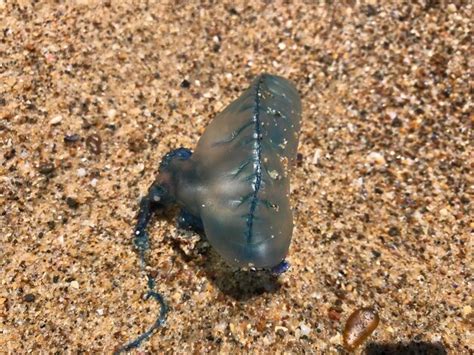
[235,186]
[237,181]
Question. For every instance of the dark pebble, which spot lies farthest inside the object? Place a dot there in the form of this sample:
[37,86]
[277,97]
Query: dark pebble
[393,232]
[29,297]
[46,168]
[376,253]
[71,202]
[172,105]
[299,159]
[72,138]
[371,11]
[94,143]
[447,92]
[185,84]
[9,154]
[31,107]
[396,122]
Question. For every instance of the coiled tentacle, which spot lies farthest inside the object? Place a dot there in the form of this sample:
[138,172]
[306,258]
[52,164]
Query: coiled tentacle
[155,197]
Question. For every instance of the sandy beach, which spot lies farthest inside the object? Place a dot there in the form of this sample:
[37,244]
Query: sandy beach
[93,95]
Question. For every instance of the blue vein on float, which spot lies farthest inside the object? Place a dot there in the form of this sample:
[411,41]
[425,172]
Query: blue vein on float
[235,186]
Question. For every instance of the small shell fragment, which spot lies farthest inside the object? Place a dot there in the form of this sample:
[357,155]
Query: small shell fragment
[56,120]
[359,326]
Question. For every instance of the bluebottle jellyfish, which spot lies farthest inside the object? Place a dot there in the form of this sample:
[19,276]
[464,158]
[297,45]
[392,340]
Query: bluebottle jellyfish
[235,186]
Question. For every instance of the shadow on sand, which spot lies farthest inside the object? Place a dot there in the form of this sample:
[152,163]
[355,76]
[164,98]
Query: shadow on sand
[237,284]
[411,348]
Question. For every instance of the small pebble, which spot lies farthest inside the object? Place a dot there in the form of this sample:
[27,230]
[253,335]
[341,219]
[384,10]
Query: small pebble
[220,327]
[371,11]
[466,311]
[334,315]
[281,330]
[56,120]
[29,297]
[305,330]
[393,232]
[359,326]
[452,8]
[71,138]
[71,202]
[185,84]
[94,143]
[336,339]
[9,154]
[81,172]
[317,156]
[299,159]
[376,158]
[396,122]
[46,168]
[111,113]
